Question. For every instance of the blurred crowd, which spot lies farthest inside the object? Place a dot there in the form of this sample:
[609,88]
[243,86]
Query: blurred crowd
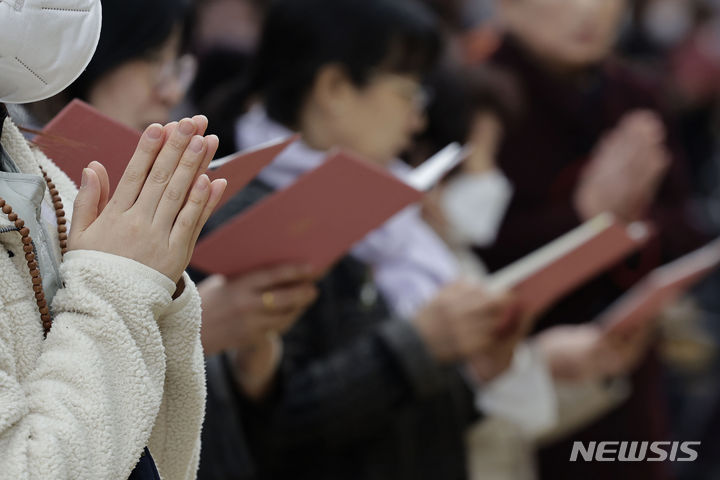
[387,366]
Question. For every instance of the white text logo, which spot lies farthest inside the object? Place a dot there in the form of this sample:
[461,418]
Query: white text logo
[634,451]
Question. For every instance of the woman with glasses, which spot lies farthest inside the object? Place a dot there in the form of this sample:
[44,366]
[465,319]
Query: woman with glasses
[366,384]
[139,73]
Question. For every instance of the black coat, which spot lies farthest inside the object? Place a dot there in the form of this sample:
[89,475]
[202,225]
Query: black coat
[357,395]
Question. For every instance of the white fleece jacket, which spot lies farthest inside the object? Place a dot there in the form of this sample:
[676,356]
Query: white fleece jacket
[122,367]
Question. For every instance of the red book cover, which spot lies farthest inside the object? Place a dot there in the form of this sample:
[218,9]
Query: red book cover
[545,276]
[242,167]
[662,286]
[79,134]
[315,220]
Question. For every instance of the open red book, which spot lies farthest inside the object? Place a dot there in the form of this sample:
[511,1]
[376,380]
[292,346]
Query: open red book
[647,299]
[315,220]
[548,274]
[79,134]
[239,168]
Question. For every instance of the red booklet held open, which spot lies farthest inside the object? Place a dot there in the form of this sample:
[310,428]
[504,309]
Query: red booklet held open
[315,220]
[239,168]
[662,286]
[80,134]
[546,275]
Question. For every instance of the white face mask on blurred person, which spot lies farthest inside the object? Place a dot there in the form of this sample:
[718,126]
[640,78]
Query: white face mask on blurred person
[45,45]
[475,205]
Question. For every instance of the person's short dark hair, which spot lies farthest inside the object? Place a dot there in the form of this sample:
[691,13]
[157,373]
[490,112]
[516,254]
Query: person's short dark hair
[131,29]
[459,93]
[363,37]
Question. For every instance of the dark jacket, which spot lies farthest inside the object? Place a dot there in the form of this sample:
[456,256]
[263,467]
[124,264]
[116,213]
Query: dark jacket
[357,395]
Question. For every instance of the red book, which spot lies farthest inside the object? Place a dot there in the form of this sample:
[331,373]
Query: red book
[545,276]
[315,220]
[79,134]
[662,286]
[240,168]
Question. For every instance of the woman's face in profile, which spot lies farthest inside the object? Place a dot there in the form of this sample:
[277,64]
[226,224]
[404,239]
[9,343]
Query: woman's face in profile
[380,119]
[569,33]
[145,90]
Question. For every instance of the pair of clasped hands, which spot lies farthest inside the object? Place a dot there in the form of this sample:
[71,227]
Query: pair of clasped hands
[160,205]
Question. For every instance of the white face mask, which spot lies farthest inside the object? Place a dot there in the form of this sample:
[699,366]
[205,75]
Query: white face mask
[475,205]
[45,45]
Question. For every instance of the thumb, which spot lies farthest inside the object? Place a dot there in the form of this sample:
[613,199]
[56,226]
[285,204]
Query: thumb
[85,210]
[102,174]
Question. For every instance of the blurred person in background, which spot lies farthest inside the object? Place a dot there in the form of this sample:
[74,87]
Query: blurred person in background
[692,61]
[588,140]
[679,42]
[224,39]
[367,384]
[139,72]
[474,105]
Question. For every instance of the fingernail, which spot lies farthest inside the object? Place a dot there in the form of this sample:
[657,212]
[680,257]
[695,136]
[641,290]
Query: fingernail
[202,182]
[187,127]
[84,179]
[196,144]
[154,132]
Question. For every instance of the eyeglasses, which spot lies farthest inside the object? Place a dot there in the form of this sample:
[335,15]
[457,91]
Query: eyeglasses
[180,70]
[413,92]
[422,98]
[177,73]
